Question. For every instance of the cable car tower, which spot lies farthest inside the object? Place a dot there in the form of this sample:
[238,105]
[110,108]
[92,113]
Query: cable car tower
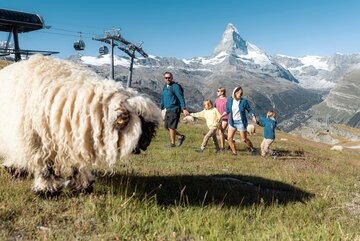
[130,50]
[114,39]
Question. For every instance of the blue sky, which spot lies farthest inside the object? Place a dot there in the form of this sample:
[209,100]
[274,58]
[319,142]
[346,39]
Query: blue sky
[189,28]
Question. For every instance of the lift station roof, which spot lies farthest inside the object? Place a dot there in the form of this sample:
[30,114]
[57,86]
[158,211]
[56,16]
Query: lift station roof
[23,22]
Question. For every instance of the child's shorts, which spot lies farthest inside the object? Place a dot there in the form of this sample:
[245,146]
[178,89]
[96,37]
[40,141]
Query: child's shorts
[238,125]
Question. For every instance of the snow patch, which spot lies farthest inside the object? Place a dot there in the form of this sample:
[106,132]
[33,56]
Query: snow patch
[316,83]
[354,147]
[211,61]
[106,59]
[255,55]
[316,61]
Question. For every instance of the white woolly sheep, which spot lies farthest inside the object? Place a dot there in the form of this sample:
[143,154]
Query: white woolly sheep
[337,148]
[188,119]
[251,129]
[58,119]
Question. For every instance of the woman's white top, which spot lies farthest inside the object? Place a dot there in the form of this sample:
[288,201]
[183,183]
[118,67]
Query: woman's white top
[235,110]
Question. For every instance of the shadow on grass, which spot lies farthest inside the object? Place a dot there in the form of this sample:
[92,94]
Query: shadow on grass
[225,190]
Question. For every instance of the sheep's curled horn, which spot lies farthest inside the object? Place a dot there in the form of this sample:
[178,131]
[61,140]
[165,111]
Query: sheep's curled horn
[122,119]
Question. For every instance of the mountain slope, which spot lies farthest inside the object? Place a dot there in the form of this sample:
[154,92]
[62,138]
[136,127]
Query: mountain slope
[342,105]
[320,72]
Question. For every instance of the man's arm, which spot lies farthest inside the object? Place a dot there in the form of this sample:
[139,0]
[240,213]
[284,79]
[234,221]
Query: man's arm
[181,98]
[162,106]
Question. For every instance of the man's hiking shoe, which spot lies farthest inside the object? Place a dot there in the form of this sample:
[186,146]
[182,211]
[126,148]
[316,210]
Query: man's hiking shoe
[253,152]
[199,150]
[181,140]
[171,145]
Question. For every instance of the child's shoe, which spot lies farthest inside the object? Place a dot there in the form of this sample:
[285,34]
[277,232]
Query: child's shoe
[274,155]
[253,152]
[181,140]
[199,150]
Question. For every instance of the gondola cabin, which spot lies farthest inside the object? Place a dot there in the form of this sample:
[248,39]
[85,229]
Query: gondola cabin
[103,50]
[79,45]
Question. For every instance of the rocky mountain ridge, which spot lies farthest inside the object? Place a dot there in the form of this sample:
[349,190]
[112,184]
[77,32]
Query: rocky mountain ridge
[320,72]
[341,105]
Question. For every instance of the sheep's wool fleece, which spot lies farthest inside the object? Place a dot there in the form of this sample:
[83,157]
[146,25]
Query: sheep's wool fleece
[251,129]
[53,110]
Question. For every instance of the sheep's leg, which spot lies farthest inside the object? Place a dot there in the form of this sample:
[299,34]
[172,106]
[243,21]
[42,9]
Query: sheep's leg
[47,183]
[15,170]
[81,181]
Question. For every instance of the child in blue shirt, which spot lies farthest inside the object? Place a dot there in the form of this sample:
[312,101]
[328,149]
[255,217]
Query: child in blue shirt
[269,124]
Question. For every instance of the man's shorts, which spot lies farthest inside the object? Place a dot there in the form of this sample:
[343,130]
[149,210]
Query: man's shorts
[172,118]
[238,125]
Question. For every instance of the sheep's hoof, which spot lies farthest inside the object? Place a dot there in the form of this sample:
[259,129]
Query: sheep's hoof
[48,184]
[88,190]
[47,194]
[20,173]
[80,182]
[84,190]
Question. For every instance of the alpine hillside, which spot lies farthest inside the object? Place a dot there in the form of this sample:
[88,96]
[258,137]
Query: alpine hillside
[320,72]
[339,76]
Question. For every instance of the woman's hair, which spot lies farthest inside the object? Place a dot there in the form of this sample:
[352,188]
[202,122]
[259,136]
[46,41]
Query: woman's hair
[271,113]
[222,90]
[236,90]
[208,104]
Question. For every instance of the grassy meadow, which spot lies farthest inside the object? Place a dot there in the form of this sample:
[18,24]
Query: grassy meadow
[307,193]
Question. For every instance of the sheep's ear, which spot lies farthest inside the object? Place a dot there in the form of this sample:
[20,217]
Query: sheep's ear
[122,119]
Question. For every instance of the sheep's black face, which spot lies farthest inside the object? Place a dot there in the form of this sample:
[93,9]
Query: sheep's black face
[148,132]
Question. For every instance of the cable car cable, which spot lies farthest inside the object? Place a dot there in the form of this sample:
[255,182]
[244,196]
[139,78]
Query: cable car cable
[65,30]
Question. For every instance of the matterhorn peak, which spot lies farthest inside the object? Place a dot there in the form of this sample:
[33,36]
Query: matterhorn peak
[231,42]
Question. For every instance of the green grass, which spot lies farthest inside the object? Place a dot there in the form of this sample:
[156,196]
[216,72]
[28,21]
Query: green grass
[308,193]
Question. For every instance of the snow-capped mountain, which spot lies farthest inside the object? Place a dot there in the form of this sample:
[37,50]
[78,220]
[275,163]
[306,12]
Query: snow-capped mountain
[3,44]
[243,52]
[232,52]
[232,43]
[320,72]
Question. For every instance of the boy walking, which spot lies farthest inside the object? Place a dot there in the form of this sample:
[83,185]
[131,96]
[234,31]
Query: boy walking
[269,124]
